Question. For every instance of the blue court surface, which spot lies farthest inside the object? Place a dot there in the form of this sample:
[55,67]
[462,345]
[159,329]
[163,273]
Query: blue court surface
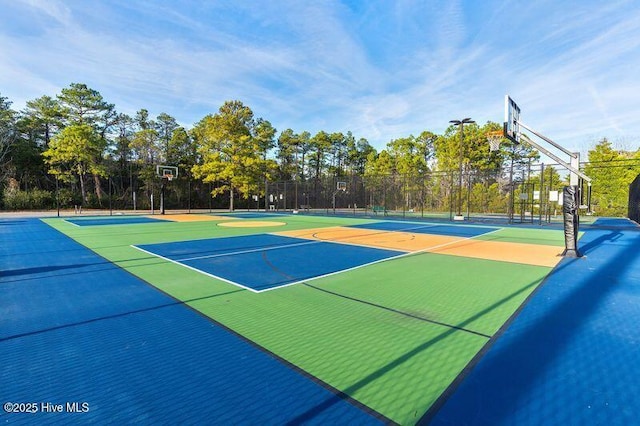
[121,220]
[262,262]
[434,229]
[572,355]
[75,328]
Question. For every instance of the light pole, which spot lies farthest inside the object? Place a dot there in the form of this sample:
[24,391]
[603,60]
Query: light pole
[460,123]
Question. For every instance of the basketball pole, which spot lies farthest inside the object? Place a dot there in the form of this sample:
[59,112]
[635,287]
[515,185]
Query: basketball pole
[460,123]
[570,203]
[571,193]
[166,174]
[162,189]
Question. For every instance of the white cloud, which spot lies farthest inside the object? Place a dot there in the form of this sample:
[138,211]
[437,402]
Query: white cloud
[382,70]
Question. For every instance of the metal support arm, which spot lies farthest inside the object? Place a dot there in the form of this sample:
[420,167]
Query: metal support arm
[552,155]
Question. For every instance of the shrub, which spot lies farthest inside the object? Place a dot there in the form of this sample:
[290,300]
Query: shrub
[35,199]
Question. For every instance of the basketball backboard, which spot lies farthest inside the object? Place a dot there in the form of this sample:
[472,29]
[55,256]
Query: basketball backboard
[168,172]
[511,120]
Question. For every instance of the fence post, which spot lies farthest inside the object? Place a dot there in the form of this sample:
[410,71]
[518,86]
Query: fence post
[451,197]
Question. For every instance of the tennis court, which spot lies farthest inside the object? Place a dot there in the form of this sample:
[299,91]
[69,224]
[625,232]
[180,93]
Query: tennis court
[364,321]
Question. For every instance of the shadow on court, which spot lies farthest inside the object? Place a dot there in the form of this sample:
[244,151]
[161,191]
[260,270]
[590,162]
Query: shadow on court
[123,314]
[135,355]
[571,354]
[460,327]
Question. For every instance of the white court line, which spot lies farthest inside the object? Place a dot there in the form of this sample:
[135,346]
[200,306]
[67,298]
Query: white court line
[405,254]
[431,225]
[437,246]
[196,269]
[386,231]
[434,224]
[210,256]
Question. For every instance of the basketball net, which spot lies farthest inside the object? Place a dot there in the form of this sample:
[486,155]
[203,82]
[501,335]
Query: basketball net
[494,138]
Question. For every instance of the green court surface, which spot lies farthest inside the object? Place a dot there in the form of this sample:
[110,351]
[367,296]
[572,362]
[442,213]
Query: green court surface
[528,235]
[392,335]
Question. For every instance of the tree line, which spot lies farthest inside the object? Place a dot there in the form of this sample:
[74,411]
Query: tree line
[77,144]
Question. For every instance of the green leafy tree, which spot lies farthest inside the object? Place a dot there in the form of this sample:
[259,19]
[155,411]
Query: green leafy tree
[612,172]
[475,149]
[35,126]
[145,145]
[320,146]
[73,151]
[357,155]
[379,168]
[286,154]
[122,141]
[410,156]
[83,105]
[41,118]
[338,153]
[142,120]
[448,147]
[182,150]
[231,145]
[304,148]
[24,162]
[264,136]
[165,125]
[7,135]
[182,153]
[122,151]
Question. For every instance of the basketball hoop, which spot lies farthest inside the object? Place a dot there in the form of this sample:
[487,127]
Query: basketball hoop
[340,187]
[167,172]
[494,138]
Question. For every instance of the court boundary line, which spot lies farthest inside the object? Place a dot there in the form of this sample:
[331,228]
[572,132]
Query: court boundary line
[115,218]
[385,231]
[397,311]
[450,390]
[431,224]
[403,254]
[211,256]
[195,269]
[334,391]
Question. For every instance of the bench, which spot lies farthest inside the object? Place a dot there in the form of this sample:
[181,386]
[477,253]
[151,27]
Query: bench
[305,207]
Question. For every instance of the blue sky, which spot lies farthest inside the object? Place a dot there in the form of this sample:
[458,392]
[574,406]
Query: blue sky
[383,69]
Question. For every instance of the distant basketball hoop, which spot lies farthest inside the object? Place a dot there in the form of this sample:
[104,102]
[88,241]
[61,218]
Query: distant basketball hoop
[166,173]
[340,187]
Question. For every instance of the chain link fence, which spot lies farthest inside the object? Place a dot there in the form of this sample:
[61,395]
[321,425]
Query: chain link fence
[525,194]
[522,193]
